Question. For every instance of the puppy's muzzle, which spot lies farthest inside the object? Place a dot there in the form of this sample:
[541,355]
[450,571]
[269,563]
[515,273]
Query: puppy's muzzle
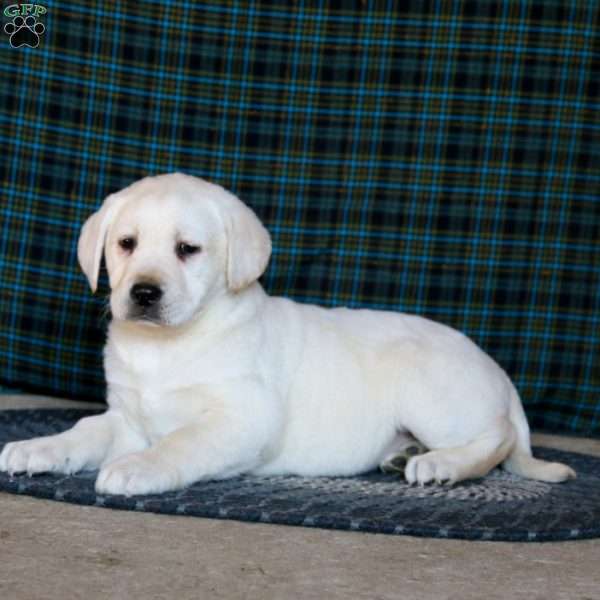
[145,295]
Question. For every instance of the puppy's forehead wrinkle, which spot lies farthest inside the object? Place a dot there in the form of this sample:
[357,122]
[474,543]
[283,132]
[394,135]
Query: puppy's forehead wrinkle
[175,198]
[175,215]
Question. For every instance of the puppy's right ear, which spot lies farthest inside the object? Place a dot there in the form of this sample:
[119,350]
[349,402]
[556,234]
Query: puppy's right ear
[92,238]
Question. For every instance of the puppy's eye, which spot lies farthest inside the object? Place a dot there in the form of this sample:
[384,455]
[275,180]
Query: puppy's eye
[128,244]
[184,250]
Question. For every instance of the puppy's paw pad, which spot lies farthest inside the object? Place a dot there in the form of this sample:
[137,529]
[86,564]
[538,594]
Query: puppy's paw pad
[431,467]
[396,462]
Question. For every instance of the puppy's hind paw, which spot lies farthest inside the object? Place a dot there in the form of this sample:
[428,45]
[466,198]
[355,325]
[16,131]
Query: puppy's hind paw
[432,467]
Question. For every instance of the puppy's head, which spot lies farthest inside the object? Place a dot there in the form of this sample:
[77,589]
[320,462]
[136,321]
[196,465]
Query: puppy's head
[173,243]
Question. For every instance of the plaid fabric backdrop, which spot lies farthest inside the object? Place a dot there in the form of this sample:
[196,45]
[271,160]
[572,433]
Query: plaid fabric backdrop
[439,158]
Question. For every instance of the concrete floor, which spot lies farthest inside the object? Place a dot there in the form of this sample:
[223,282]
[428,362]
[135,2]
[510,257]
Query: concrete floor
[54,550]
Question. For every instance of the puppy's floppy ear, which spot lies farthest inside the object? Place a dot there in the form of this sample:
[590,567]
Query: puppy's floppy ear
[248,243]
[93,236]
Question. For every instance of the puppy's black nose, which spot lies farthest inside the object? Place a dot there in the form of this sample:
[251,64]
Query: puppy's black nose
[145,294]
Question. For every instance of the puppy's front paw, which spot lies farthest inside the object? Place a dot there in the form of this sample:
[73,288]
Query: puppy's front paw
[39,455]
[136,473]
[431,467]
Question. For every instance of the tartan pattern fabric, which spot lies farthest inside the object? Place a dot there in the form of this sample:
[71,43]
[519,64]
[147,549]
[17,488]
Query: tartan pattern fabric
[439,158]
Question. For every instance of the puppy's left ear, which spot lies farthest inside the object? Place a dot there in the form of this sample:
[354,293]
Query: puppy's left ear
[93,236]
[248,243]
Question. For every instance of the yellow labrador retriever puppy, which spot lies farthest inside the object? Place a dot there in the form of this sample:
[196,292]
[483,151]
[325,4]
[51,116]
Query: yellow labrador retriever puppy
[209,377]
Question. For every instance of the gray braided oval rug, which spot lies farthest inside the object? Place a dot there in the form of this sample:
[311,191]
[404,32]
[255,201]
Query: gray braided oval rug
[498,507]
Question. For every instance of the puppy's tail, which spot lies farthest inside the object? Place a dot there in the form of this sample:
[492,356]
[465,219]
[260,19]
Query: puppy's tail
[520,461]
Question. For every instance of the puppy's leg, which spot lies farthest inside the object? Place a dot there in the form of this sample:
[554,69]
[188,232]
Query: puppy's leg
[184,456]
[398,453]
[227,441]
[475,459]
[84,446]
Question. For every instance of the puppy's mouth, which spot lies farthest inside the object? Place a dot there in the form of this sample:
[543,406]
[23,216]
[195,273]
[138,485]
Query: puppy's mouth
[146,315]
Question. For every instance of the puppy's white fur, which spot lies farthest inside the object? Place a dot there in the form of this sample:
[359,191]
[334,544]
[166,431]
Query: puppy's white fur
[223,379]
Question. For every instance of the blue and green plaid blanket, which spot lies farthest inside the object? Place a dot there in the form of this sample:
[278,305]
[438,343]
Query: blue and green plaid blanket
[440,158]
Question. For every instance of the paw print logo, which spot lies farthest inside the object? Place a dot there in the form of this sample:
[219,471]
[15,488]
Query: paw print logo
[24,31]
